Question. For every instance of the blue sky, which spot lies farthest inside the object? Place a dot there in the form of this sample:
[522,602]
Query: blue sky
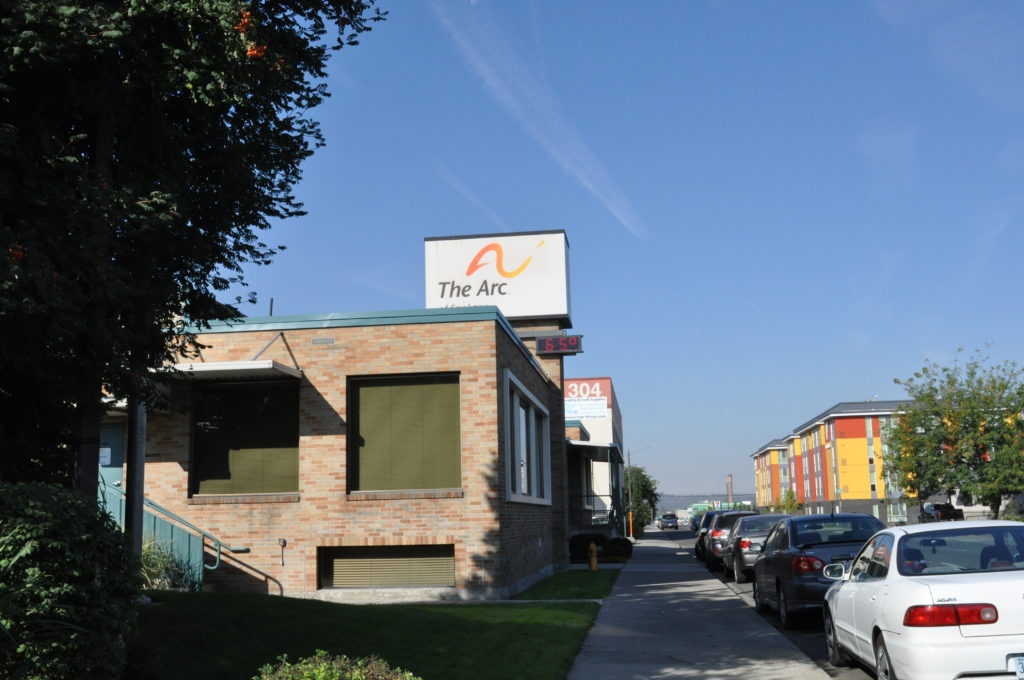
[771,206]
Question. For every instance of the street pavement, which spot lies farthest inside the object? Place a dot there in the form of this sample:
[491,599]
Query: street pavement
[667,617]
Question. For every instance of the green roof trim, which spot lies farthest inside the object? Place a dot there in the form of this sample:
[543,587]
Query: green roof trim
[581,426]
[355,319]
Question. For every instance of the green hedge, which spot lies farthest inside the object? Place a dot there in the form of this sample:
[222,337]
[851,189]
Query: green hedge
[619,547]
[579,545]
[323,666]
[68,585]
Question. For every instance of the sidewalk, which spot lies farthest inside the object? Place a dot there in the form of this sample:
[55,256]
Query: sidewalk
[668,618]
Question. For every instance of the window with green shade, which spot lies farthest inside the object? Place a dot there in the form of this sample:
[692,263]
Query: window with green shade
[404,433]
[386,566]
[245,438]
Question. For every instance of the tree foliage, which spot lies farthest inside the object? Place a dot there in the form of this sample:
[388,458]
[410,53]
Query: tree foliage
[68,586]
[643,495]
[788,504]
[144,144]
[963,432]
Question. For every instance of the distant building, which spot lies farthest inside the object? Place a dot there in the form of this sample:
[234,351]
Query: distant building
[834,461]
[771,473]
[594,450]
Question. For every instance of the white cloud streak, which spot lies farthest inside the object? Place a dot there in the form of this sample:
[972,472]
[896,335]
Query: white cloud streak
[529,100]
[460,186]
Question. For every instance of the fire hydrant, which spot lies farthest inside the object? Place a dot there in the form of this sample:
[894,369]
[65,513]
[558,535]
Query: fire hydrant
[592,554]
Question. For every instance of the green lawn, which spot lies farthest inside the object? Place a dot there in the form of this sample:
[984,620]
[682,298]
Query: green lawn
[228,636]
[575,584]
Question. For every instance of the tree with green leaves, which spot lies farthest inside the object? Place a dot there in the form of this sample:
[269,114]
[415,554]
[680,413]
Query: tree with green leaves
[963,432]
[642,496]
[788,504]
[144,144]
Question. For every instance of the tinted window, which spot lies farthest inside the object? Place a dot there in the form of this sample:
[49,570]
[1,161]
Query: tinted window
[863,561]
[962,550]
[880,557]
[755,524]
[728,520]
[835,530]
[246,438]
[778,539]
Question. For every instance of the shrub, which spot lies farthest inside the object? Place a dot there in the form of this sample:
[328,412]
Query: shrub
[619,547]
[323,666]
[68,586]
[164,569]
[579,545]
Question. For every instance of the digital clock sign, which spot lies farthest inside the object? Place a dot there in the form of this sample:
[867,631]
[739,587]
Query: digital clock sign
[560,344]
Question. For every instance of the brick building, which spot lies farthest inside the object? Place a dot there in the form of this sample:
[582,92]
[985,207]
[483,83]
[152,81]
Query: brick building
[365,457]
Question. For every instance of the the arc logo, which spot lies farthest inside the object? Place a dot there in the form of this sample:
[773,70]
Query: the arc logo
[499,261]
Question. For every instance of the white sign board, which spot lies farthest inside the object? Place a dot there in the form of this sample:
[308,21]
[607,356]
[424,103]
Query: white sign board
[526,275]
[590,408]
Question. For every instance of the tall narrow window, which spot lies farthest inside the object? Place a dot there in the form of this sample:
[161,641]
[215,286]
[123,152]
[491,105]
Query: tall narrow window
[404,433]
[528,448]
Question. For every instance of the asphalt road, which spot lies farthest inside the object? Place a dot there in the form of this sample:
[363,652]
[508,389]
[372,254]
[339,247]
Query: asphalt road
[808,636]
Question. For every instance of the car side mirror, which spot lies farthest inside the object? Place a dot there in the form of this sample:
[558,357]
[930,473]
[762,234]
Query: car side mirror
[836,572]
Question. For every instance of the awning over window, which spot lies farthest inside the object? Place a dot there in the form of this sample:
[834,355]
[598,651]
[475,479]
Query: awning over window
[236,370]
[600,452]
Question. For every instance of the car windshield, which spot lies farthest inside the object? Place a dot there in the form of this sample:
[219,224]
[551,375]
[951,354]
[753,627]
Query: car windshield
[668,516]
[953,551]
[836,530]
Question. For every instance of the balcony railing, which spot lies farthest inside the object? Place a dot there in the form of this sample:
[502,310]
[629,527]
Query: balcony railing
[594,511]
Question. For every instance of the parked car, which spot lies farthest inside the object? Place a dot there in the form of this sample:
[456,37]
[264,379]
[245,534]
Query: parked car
[788,573]
[668,521]
[940,512]
[948,606]
[702,530]
[744,544]
[718,534]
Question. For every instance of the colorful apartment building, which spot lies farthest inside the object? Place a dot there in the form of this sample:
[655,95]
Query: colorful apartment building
[836,461]
[771,473]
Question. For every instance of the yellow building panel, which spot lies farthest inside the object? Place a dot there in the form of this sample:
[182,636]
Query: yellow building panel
[854,471]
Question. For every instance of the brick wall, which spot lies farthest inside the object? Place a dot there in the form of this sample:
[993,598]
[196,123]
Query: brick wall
[499,545]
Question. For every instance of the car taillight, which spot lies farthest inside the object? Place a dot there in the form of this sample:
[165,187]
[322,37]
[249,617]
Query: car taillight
[950,615]
[744,544]
[806,564]
[718,533]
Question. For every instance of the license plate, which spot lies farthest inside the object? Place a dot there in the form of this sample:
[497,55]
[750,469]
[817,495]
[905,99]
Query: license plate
[1015,664]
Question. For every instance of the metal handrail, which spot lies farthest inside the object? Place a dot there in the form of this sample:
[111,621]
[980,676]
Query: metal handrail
[217,543]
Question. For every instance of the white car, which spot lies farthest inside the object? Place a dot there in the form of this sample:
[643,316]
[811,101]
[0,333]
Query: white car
[931,601]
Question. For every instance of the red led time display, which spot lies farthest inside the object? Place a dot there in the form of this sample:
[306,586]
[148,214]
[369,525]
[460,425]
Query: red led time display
[560,344]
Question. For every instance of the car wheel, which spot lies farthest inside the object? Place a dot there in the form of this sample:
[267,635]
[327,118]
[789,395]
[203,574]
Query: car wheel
[759,604]
[738,573]
[836,656]
[883,666]
[785,616]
